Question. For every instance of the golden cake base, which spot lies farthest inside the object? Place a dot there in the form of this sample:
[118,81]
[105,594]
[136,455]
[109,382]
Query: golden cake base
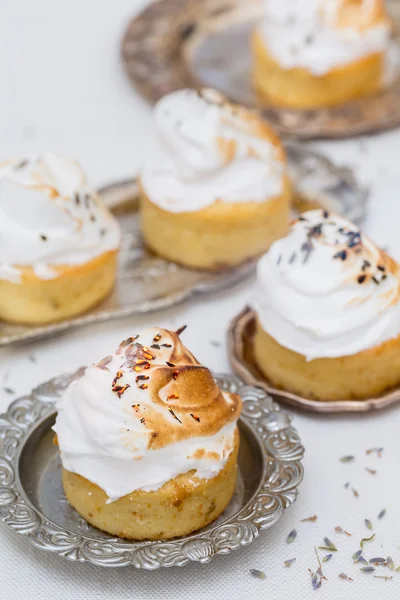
[181,506]
[298,88]
[219,236]
[37,301]
[362,375]
[241,352]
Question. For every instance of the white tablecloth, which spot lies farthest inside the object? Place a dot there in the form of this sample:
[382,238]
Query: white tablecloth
[63,89]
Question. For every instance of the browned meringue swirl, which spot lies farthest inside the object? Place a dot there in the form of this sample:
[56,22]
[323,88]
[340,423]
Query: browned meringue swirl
[172,395]
[361,14]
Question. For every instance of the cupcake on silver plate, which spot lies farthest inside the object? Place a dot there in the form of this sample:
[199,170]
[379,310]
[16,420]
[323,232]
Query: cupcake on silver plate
[148,441]
[328,312]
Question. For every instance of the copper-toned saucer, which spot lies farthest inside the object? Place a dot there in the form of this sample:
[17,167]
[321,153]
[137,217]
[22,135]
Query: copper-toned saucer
[240,350]
[190,43]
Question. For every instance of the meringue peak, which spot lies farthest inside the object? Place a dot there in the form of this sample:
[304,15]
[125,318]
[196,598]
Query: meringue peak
[326,290]
[175,395]
[50,218]
[206,149]
[320,35]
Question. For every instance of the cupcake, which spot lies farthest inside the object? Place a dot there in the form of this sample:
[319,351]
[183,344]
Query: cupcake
[214,187]
[58,242]
[328,312]
[316,53]
[148,442]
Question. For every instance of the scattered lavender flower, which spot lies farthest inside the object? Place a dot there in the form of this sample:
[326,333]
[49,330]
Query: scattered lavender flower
[367,569]
[288,563]
[257,574]
[368,523]
[291,537]
[390,563]
[347,459]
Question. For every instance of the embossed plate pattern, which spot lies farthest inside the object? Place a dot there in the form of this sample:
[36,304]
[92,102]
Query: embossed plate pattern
[33,505]
[189,43]
[240,351]
[146,282]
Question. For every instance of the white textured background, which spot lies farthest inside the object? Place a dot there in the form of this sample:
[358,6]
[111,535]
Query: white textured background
[62,88]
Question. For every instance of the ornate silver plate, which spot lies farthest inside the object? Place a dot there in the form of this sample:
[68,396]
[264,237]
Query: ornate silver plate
[32,502]
[189,43]
[240,351]
[147,283]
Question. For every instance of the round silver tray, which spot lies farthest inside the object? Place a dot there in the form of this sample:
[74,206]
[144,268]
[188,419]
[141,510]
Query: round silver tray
[240,350]
[189,43]
[32,502]
[147,282]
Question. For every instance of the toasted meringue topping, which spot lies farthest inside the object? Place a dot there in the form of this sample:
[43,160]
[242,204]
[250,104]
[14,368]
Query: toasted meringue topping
[144,415]
[207,150]
[49,218]
[359,14]
[320,35]
[326,290]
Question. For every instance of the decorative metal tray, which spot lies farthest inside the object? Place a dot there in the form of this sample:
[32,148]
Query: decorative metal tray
[189,43]
[32,502]
[240,351]
[147,283]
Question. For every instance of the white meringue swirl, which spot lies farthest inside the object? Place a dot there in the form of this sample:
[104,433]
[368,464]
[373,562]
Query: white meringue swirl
[137,420]
[205,150]
[326,290]
[312,34]
[49,218]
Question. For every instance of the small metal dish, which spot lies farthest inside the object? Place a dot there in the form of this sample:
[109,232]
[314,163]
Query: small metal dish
[147,282]
[240,350]
[32,502]
[191,43]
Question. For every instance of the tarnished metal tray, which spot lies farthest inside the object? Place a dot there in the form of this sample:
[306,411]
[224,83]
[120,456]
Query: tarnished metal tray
[32,502]
[146,282]
[241,357]
[190,43]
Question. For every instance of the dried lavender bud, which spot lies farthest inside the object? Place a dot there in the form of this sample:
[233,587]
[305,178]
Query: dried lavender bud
[390,563]
[367,569]
[288,563]
[347,459]
[291,537]
[368,523]
[257,574]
